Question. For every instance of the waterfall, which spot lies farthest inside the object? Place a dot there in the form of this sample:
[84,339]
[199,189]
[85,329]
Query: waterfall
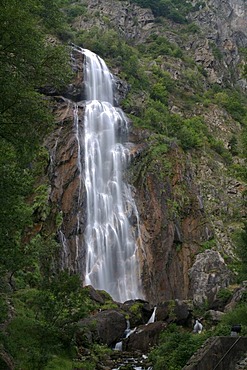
[110,238]
[152,318]
[127,333]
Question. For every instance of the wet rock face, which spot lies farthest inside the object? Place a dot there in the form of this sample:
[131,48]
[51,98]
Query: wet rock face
[175,311]
[65,184]
[75,91]
[67,195]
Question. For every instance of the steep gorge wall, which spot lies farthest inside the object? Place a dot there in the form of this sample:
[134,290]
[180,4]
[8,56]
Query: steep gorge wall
[176,230]
[183,199]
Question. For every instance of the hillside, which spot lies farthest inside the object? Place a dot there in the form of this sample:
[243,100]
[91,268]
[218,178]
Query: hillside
[179,73]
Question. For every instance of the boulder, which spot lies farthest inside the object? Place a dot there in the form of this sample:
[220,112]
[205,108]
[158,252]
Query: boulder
[97,296]
[138,311]
[239,295]
[106,327]
[145,337]
[215,316]
[174,311]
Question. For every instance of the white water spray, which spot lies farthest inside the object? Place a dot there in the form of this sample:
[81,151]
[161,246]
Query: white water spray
[111,247]
[152,318]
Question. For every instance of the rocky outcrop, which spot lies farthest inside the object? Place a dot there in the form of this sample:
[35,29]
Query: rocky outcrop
[223,25]
[132,22]
[106,327]
[173,225]
[145,337]
[222,33]
[218,352]
[179,312]
[208,274]
[135,324]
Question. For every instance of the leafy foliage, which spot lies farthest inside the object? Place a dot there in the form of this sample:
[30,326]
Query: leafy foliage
[48,317]
[175,349]
[160,45]
[15,214]
[27,63]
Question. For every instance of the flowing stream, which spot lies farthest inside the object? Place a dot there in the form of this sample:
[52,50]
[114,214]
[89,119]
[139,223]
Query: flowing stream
[111,239]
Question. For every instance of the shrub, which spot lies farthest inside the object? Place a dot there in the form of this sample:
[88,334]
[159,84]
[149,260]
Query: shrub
[159,92]
[224,295]
[237,316]
[175,349]
[191,132]
[160,45]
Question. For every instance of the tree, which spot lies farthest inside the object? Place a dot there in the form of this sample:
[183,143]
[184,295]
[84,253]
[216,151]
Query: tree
[28,64]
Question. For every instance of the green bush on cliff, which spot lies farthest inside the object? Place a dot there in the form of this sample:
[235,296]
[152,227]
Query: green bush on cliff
[191,132]
[160,45]
[236,316]
[223,296]
[234,102]
[175,10]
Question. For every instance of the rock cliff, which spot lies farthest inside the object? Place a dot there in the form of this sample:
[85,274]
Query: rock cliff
[189,204]
[223,24]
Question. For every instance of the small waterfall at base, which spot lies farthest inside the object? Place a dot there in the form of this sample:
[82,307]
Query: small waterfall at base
[127,333]
[152,318]
[111,240]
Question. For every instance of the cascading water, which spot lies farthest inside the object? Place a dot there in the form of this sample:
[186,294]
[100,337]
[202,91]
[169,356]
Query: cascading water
[111,247]
[152,318]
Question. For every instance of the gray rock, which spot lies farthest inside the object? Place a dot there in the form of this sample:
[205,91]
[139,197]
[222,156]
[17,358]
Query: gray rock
[208,274]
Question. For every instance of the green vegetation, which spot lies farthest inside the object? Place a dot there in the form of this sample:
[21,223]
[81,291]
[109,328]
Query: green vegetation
[27,66]
[175,10]
[209,244]
[30,64]
[241,250]
[48,317]
[39,306]
[177,346]
[112,47]
[160,45]
[135,309]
